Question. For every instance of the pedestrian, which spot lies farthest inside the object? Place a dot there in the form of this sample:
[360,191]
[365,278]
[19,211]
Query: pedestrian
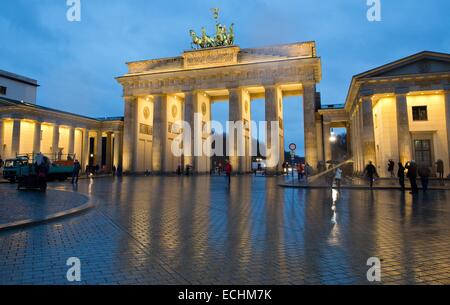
[401,175]
[76,171]
[370,172]
[228,170]
[179,171]
[424,174]
[300,171]
[114,170]
[412,176]
[1,162]
[338,177]
[440,169]
[391,166]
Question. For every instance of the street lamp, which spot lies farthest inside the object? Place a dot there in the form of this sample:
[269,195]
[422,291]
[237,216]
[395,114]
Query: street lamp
[333,137]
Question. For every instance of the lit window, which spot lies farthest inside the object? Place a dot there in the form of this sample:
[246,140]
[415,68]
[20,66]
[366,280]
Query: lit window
[2,90]
[420,113]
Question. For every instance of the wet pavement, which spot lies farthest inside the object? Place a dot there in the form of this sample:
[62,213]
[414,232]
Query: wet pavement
[171,230]
[21,205]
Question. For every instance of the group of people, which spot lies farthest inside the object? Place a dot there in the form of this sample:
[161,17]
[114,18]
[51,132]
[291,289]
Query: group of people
[304,170]
[412,172]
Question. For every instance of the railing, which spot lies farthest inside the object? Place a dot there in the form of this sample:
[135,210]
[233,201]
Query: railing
[321,174]
[54,157]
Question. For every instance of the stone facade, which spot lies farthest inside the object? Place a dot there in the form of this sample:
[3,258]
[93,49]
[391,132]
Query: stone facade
[399,111]
[237,75]
[27,129]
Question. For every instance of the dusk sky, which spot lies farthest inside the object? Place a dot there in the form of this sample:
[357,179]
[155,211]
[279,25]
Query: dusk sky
[75,62]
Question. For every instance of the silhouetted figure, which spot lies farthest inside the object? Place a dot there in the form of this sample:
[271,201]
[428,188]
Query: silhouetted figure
[424,174]
[228,170]
[370,172]
[440,169]
[179,170]
[338,177]
[119,170]
[401,175]
[188,170]
[412,176]
[391,166]
[76,171]
[114,170]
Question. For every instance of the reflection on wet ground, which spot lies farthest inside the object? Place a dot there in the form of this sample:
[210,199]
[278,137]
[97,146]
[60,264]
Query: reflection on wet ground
[172,230]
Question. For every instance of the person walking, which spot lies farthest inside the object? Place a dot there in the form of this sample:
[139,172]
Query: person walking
[228,169]
[440,169]
[401,175]
[370,172]
[338,177]
[412,176]
[391,166]
[301,171]
[76,171]
[114,170]
[424,174]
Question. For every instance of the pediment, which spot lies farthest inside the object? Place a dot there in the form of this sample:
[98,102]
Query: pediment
[421,63]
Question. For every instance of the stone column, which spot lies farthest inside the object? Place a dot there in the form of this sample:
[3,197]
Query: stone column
[15,143]
[236,148]
[447,117]
[129,134]
[55,141]
[2,140]
[309,114]
[37,137]
[403,134]
[85,150]
[273,146]
[159,132]
[109,152]
[349,139]
[368,133]
[326,140]
[71,149]
[190,108]
[320,142]
[118,142]
[99,150]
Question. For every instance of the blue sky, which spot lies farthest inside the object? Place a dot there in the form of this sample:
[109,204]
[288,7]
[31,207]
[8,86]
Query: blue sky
[75,63]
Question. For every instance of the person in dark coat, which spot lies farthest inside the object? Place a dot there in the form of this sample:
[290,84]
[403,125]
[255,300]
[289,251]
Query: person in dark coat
[424,174]
[370,172]
[391,166]
[440,169]
[401,175]
[412,176]
[76,171]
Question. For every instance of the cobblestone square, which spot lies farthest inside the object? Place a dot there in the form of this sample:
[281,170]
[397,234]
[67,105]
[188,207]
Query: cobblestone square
[196,230]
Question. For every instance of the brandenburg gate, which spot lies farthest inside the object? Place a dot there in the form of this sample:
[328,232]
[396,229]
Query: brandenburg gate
[159,92]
